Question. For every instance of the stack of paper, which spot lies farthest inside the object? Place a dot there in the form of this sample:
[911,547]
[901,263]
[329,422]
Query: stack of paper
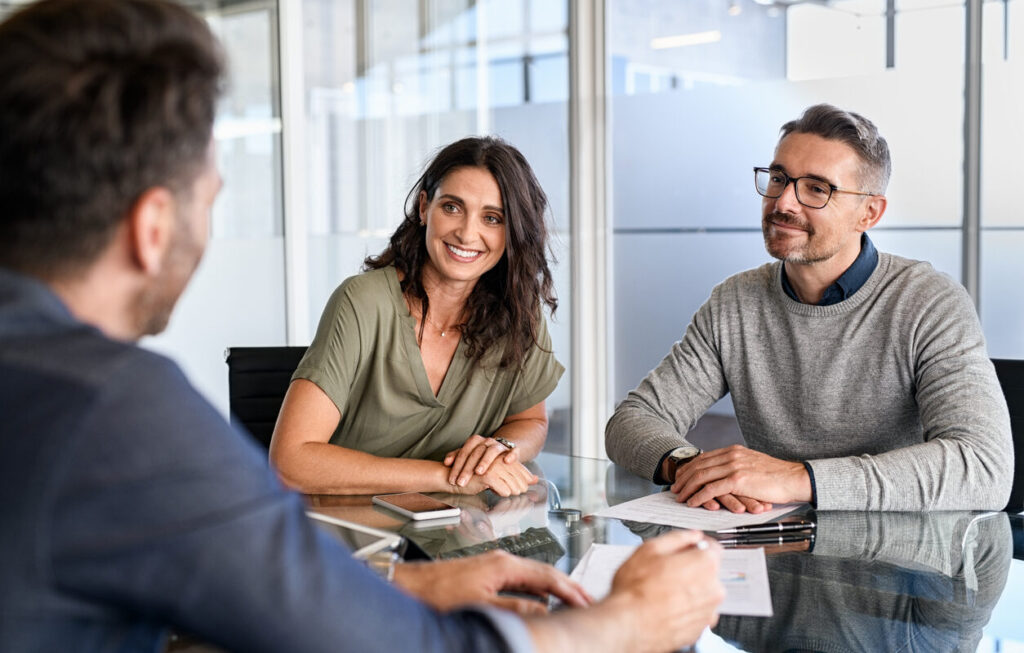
[662,508]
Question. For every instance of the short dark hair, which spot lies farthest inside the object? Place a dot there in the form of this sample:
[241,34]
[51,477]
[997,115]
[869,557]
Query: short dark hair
[856,131]
[505,305]
[99,101]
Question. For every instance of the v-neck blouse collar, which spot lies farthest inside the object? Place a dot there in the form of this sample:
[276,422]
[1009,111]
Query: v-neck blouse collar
[456,373]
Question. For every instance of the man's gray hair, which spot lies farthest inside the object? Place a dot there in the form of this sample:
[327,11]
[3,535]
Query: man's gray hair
[856,131]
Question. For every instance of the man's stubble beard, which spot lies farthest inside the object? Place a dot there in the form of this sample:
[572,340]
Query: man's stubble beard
[801,256]
[155,303]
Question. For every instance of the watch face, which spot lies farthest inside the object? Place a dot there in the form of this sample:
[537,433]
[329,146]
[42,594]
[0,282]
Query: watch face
[684,453]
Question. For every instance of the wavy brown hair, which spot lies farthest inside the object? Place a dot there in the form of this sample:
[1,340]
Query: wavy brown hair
[504,307]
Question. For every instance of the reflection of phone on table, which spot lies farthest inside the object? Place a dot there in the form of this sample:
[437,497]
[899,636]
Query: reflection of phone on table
[416,505]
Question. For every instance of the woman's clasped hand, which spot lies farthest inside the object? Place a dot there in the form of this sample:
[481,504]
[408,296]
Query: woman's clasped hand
[497,466]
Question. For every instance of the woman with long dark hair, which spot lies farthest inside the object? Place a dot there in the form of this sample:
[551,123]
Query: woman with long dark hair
[430,369]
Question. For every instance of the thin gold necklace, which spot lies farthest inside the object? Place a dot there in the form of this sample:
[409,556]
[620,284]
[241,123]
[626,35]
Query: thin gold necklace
[441,329]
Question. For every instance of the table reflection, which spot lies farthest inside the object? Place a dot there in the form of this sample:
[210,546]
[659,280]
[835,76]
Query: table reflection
[883,582]
[871,581]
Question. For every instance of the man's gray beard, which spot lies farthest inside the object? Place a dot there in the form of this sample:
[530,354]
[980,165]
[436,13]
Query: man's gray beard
[796,258]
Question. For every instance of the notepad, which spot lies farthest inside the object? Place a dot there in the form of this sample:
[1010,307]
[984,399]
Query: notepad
[743,573]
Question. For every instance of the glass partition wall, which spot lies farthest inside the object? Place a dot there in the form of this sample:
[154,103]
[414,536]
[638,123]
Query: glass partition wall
[1002,141]
[696,94]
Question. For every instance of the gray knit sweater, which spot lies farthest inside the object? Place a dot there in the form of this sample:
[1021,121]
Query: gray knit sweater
[889,395]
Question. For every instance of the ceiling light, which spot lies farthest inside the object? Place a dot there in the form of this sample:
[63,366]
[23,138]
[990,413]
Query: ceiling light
[683,40]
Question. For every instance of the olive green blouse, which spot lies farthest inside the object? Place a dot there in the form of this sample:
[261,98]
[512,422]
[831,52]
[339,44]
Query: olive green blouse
[366,359]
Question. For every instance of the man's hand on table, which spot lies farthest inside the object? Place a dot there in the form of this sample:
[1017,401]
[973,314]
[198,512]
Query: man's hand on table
[662,598]
[448,584]
[672,584]
[740,480]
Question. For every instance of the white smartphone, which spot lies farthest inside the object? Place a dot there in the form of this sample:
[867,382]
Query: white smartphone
[416,505]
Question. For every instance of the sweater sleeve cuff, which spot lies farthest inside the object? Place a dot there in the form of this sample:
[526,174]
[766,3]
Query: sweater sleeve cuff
[658,478]
[814,486]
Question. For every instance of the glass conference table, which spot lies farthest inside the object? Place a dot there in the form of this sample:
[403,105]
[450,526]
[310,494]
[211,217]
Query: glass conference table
[872,582]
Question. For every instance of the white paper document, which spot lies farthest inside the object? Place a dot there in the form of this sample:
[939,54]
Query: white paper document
[662,508]
[743,573]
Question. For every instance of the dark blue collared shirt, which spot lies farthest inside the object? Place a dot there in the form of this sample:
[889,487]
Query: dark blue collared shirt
[129,504]
[848,282]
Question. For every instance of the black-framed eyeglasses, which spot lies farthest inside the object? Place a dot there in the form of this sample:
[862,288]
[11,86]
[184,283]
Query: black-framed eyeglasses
[810,191]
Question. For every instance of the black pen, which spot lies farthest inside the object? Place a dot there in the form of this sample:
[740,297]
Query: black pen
[758,540]
[771,527]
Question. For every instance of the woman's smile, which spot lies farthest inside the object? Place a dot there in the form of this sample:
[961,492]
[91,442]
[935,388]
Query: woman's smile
[460,254]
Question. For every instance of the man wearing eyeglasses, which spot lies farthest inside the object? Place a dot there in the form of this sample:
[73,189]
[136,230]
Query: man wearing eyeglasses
[860,379]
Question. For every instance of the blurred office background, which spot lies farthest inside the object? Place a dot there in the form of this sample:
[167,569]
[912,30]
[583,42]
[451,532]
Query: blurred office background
[642,119]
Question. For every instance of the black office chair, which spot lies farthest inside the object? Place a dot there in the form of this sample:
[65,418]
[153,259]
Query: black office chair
[258,379]
[1011,377]
[1017,532]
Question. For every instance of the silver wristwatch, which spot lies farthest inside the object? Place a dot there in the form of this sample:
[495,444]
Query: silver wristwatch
[684,454]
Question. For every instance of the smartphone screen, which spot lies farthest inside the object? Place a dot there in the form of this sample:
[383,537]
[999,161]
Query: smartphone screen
[416,505]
